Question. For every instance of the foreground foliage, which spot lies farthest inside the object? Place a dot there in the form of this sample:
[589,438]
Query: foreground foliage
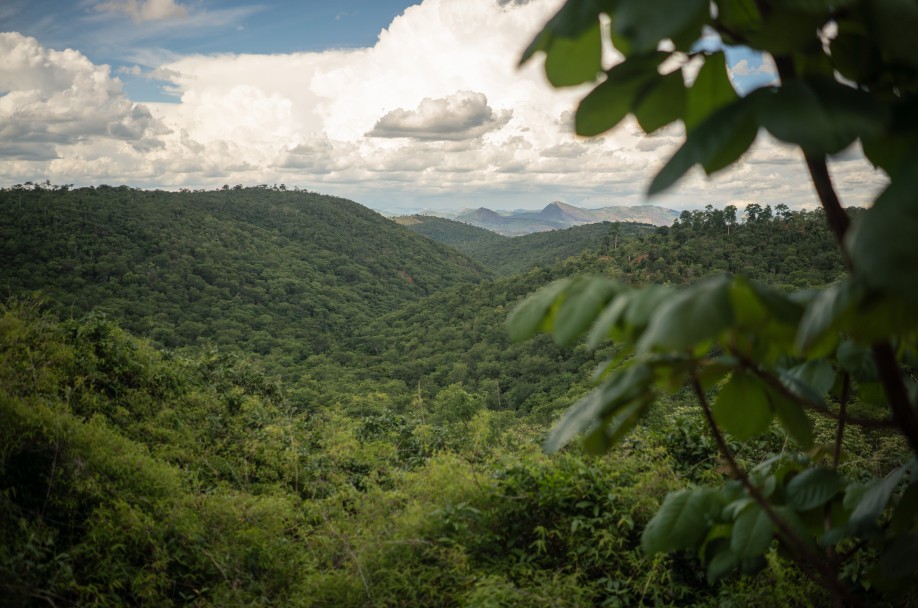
[751,354]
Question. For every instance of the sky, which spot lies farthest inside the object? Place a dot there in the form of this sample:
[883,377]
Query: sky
[401,106]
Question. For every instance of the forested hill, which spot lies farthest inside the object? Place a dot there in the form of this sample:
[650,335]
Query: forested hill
[458,336]
[510,255]
[780,247]
[259,270]
[460,235]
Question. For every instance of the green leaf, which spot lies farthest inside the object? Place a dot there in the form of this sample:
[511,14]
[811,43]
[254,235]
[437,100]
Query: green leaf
[694,314]
[748,309]
[785,32]
[898,559]
[821,117]
[570,62]
[752,532]
[817,374]
[582,301]
[857,360]
[644,303]
[894,23]
[608,319]
[711,91]
[813,488]
[646,22]
[742,407]
[620,388]
[906,512]
[723,563]
[573,19]
[607,104]
[892,148]
[619,424]
[826,312]
[822,7]
[794,420]
[739,16]
[718,141]
[529,315]
[873,499]
[682,521]
[661,103]
[881,240]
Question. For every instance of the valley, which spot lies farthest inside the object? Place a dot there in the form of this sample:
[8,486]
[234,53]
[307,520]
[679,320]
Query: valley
[261,396]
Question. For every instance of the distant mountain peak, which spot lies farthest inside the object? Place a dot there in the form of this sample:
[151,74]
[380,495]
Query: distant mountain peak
[483,215]
[557,210]
[557,215]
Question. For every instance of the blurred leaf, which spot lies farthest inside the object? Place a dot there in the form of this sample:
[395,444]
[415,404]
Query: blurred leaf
[682,521]
[618,389]
[723,563]
[873,499]
[824,7]
[529,315]
[897,561]
[573,19]
[813,488]
[742,407]
[816,374]
[825,312]
[894,24]
[739,16]
[644,23]
[661,102]
[711,91]
[821,117]
[611,100]
[608,319]
[570,62]
[752,532]
[715,143]
[881,240]
[610,432]
[784,32]
[583,299]
[694,314]
[793,418]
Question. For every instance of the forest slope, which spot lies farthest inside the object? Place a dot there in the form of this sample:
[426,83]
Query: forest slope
[271,272]
[511,255]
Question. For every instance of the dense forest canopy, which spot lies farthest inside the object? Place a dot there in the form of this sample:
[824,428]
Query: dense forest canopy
[397,463]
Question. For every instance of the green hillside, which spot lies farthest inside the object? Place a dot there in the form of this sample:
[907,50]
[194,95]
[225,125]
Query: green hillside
[510,255]
[460,235]
[276,273]
[545,249]
[398,460]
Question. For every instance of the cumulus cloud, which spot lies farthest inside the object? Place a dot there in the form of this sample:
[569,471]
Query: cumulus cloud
[465,115]
[60,97]
[435,112]
[144,10]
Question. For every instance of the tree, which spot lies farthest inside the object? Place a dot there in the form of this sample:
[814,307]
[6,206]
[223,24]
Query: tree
[848,72]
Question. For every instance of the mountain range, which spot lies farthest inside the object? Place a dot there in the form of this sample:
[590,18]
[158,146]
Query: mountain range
[558,215]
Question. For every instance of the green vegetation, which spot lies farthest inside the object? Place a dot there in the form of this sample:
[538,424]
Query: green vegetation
[750,354]
[399,465]
[509,256]
[279,273]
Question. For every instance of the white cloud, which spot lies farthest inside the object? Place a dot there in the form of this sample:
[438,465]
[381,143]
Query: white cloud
[465,115]
[144,10]
[450,118]
[60,97]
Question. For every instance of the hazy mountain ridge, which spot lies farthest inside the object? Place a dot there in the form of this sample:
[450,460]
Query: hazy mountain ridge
[508,255]
[558,215]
